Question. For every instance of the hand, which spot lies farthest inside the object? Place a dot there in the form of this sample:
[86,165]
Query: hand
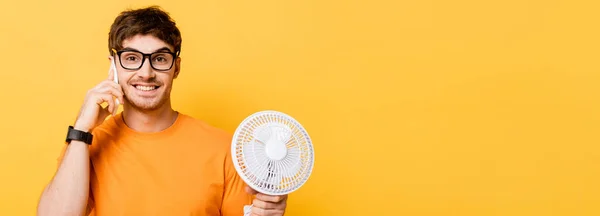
[91,113]
[267,205]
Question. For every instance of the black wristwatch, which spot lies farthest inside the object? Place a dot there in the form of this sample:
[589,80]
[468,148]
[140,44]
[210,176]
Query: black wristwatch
[74,134]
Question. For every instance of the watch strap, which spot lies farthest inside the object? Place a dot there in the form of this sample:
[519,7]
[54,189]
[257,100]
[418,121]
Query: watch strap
[74,134]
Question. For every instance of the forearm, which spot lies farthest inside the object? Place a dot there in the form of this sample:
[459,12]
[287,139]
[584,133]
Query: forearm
[68,191]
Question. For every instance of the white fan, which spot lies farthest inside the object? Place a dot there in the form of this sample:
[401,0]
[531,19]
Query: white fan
[272,153]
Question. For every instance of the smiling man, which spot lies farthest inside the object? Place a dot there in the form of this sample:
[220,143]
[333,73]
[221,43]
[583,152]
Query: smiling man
[148,159]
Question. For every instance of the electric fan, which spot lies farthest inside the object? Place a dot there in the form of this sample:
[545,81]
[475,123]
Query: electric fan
[272,153]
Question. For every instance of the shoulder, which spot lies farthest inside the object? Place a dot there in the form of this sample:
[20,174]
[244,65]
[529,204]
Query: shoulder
[203,128]
[202,125]
[206,133]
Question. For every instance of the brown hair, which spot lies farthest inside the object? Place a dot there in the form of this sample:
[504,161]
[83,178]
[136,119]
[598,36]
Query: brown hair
[146,21]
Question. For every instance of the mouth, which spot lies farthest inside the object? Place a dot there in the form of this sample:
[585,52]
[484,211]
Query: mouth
[146,88]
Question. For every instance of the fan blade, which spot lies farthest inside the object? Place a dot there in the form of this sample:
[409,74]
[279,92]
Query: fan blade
[246,148]
[282,132]
[262,133]
[274,180]
[274,177]
[249,160]
[292,162]
[254,155]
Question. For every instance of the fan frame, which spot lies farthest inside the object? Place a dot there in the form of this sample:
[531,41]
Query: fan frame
[237,166]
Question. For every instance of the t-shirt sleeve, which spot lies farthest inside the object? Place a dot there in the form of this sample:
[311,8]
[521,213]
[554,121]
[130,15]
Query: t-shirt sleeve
[235,196]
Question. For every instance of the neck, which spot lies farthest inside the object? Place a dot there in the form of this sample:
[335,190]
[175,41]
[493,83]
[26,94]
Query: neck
[149,121]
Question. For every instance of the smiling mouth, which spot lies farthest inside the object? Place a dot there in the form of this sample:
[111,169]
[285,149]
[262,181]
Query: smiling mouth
[145,88]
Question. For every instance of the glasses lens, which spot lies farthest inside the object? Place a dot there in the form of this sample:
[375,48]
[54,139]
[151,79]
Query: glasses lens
[162,61]
[131,60]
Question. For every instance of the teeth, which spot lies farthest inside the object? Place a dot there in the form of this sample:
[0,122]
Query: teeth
[145,88]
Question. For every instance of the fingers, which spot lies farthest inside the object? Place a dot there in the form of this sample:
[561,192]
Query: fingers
[108,98]
[116,91]
[269,198]
[267,212]
[92,111]
[111,88]
[265,205]
[106,92]
[264,197]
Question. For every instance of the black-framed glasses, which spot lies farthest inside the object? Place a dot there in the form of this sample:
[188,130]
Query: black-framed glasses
[133,59]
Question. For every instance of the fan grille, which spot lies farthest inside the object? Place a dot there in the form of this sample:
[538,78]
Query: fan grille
[262,173]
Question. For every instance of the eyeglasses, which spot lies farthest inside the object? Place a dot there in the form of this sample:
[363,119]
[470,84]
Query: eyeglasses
[133,60]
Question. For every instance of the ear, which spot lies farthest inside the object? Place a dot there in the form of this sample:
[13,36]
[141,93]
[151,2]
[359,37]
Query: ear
[177,67]
[110,59]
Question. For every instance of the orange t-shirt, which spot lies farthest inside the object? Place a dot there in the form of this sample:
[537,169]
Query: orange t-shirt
[185,169]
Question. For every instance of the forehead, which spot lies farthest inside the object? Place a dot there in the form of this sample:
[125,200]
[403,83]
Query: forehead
[145,43]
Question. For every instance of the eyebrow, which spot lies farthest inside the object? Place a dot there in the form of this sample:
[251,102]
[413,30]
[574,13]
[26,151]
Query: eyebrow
[161,49]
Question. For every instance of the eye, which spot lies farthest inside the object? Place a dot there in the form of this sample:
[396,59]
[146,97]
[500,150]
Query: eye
[161,58]
[131,58]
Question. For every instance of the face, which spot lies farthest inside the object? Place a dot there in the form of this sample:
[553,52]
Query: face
[146,88]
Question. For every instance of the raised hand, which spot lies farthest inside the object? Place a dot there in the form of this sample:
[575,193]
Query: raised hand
[92,113]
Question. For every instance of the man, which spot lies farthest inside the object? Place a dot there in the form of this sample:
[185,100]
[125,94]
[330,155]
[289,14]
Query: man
[148,159]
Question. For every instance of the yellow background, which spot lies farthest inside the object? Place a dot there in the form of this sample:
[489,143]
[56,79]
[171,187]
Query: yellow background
[417,108]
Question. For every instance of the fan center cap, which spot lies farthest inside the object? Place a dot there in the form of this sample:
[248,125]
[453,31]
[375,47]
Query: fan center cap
[275,149]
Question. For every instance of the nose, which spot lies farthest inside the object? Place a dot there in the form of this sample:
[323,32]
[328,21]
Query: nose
[146,72]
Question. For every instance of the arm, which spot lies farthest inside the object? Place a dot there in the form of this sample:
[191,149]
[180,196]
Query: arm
[235,196]
[68,191]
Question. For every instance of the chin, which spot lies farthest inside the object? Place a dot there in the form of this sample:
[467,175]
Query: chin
[145,104]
